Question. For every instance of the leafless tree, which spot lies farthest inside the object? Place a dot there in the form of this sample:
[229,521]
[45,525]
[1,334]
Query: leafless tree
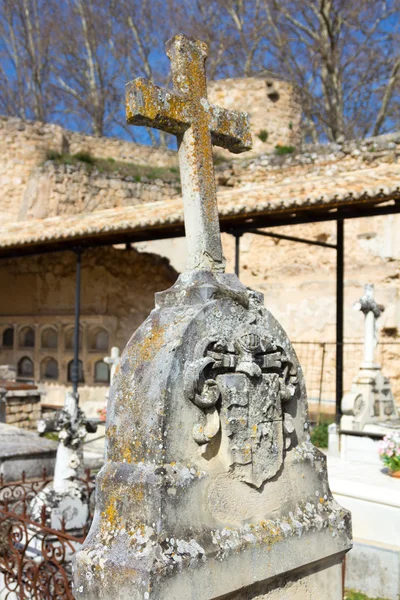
[25,44]
[71,60]
[143,31]
[345,58]
[86,65]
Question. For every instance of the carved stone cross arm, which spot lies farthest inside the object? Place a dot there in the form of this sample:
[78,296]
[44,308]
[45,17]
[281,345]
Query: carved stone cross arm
[152,106]
[186,113]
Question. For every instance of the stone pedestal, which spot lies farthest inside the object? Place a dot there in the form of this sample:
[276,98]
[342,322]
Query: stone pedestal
[20,404]
[369,406]
[212,487]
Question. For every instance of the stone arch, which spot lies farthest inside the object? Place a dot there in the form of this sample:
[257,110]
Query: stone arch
[99,340]
[80,370]
[25,367]
[49,338]
[7,337]
[101,372]
[69,338]
[26,337]
[49,368]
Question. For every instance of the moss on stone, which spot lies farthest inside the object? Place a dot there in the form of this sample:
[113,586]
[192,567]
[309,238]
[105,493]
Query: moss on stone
[112,166]
[352,595]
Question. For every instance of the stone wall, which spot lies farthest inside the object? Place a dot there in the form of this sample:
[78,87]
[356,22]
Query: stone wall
[274,109]
[21,405]
[24,146]
[61,189]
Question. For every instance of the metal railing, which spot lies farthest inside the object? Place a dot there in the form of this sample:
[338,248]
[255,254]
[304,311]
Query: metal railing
[318,362]
[35,559]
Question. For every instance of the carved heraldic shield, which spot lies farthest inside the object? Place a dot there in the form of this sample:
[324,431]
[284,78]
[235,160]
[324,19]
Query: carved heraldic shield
[241,386]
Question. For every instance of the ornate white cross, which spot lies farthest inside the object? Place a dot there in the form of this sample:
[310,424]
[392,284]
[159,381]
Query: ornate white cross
[372,311]
[186,113]
[113,360]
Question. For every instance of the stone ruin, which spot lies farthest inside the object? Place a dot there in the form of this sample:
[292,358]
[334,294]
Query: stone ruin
[211,487]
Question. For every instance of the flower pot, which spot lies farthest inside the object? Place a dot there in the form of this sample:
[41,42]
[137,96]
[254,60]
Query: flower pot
[394,474]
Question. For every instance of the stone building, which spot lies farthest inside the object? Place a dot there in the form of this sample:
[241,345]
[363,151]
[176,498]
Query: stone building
[122,202]
[274,107]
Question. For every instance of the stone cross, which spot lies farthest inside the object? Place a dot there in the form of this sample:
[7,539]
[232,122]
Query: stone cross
[66,499]
[113,360]
[211,488]
[372,311]
[186,113]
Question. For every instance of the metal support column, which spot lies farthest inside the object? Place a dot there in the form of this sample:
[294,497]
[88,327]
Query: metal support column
[339,316]
[75,364]
[237,253]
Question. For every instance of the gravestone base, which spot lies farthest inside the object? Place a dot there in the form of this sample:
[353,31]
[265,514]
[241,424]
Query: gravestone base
[304,567]
[314,581]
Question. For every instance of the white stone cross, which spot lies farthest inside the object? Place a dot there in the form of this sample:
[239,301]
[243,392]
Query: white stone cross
[372,311]
[113,360]
[186,113]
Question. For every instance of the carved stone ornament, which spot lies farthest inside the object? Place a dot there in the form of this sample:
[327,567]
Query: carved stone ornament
[241,385]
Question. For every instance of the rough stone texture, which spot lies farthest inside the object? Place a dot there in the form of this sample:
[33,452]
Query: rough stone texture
[273,106]
[186,113]
[315,583]
[74,189]
[24,145]
[211,483]
[24,451]
[20,404]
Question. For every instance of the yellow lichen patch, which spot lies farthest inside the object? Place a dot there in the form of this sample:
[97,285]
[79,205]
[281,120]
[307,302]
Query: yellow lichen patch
[321,500]
[110,514]
[126,454]
[151,344]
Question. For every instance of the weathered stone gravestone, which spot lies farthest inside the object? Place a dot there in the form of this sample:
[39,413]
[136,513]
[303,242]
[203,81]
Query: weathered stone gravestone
[211,488]
[370,405]
[66,499]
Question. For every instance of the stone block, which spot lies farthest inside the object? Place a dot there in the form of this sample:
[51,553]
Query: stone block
[374,569]
[21,450]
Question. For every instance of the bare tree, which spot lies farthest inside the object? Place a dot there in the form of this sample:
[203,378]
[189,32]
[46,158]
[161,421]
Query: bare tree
[86,64]
[70,60]
[143,31]
[25,59]
[343,57]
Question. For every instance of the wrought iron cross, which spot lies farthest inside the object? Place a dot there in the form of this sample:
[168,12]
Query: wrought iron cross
[186,113]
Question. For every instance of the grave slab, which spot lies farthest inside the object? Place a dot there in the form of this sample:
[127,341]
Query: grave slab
[22,450]
[374,501]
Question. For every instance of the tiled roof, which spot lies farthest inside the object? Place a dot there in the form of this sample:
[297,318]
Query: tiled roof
[260,204]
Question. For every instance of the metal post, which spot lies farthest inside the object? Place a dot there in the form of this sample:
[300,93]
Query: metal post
[237,253]
[75,364]
[339,316]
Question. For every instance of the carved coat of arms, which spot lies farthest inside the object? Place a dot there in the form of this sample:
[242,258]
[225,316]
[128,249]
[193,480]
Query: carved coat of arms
[241,385]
